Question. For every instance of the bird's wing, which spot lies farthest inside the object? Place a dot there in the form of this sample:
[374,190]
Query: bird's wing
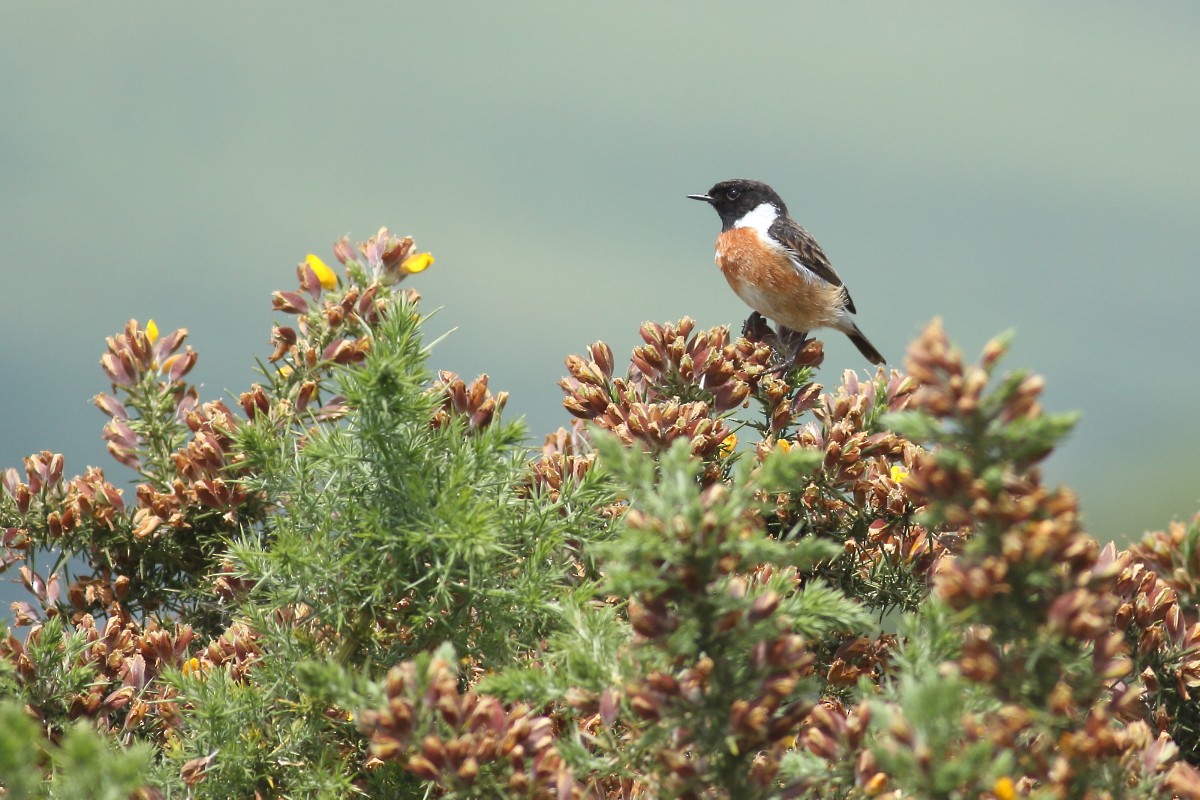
[807,255]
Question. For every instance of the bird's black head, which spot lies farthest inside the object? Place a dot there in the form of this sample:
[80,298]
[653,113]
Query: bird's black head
[735,198]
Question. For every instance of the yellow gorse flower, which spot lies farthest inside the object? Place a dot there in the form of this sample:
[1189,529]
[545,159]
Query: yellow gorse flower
[898,473]
[875,785]
[324,274]
[417,262]
[1005,789]
[151,331]
[728,444]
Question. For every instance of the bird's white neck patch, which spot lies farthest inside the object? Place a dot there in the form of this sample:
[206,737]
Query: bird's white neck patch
[760,218]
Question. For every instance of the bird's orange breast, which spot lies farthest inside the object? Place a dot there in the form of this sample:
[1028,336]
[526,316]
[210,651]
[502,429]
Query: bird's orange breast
[767,280]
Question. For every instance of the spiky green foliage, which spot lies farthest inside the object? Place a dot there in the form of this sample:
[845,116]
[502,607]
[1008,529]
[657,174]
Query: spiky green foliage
[394,535]
[81,765]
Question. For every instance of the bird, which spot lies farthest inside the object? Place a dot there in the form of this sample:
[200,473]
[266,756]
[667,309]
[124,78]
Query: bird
[776,267]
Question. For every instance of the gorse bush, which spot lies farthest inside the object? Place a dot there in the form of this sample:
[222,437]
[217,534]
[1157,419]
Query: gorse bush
[721,580]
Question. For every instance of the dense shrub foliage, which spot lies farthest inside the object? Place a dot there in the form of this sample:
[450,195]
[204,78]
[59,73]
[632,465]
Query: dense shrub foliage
[720,580]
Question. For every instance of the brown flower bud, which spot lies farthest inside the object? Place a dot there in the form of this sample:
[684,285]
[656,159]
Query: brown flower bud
[289,303]
[422,767]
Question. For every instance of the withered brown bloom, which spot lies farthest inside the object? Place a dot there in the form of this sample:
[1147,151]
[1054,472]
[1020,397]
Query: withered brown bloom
[450,737]
[474,403]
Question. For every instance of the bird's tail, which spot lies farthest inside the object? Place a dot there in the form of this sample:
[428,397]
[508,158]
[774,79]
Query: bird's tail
[864,346]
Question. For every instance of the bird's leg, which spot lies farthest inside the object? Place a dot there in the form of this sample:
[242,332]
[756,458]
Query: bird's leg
[792,340]
[793,343]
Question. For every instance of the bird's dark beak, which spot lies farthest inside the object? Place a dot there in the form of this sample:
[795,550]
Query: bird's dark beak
[703,197]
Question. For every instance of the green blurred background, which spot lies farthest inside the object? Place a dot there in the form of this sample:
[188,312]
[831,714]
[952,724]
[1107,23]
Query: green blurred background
[1029,165]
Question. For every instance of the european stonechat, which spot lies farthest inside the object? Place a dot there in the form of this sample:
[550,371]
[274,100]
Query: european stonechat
[776,267]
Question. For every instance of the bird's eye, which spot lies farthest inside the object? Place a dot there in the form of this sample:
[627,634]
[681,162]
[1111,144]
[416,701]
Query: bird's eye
[733,194]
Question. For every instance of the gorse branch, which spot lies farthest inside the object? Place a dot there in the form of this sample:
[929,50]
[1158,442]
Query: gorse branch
[721,580]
